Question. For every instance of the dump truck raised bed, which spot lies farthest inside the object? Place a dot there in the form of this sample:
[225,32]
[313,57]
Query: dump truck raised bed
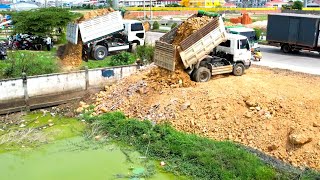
[105,34]
[294,32]
[201,53]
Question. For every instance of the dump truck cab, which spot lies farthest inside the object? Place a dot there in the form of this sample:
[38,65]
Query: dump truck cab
[236,49]
[231,56]
[135,32]
[248,32]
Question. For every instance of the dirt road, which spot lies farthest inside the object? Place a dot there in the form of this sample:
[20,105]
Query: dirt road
[275,111]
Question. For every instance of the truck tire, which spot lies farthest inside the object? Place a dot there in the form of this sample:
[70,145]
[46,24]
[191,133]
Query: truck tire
[202,74]
[100,52]
[286,48]
[238,69]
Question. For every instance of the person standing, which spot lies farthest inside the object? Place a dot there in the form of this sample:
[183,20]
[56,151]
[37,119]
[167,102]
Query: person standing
[48,42]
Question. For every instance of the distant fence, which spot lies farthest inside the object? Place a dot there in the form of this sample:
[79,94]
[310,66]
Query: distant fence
[183,11]
[317,12]
[38,91]
[196,9]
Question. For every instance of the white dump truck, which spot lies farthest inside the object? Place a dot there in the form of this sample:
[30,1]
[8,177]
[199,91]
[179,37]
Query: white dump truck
[209,51]
[105,34]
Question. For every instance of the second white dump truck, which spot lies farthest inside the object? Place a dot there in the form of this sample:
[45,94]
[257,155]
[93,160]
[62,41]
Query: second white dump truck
[209,51]
[105,34]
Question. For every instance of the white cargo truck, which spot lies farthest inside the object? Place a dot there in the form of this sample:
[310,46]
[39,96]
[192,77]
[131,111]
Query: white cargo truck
[209,51]
[105,34]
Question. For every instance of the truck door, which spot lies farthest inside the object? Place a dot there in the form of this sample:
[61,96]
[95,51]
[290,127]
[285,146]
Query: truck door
[243,52]
[293,30]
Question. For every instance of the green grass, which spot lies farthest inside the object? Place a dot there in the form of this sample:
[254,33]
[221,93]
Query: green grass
[46,62]
[186,154]
[259,18]
[30,62]
[122,58]
[97,64]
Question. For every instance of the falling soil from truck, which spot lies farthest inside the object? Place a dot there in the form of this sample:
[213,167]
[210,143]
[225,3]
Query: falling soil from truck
[256,109]
[72,53]
[189,27]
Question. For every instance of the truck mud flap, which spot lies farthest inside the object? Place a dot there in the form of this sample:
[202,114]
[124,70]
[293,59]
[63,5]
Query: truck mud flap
[165,55]
[222,70]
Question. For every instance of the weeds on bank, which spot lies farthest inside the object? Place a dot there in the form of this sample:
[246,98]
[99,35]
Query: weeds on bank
[184,154]
[29,62]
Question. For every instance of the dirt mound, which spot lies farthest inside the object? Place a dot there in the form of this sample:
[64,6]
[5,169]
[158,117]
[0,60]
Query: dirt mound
[226,23]
[190,26]
[72,53]
[94,14]
[255,109]
[159,78]
[146,26]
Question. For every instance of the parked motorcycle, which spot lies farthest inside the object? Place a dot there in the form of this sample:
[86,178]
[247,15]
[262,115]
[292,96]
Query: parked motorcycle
[26,42]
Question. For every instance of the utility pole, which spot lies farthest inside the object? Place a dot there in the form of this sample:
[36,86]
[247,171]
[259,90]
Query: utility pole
[115,4]
[144,9]
[305,3]
[150,9]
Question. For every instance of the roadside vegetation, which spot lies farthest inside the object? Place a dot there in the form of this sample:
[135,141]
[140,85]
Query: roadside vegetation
[30,62]
[187,154]
[46,62]
[42,21]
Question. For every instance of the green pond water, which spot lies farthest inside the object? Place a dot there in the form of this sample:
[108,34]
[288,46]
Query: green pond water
[60,152]
[77,159]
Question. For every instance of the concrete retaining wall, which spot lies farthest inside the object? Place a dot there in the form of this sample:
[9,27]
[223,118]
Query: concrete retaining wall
[11,89]
[55,83]
[24,90]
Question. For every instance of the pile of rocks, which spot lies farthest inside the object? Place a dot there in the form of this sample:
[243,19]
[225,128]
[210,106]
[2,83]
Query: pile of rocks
[282,125]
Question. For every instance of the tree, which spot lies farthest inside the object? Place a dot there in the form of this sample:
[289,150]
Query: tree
[42,21]
[155,25]
[297,5]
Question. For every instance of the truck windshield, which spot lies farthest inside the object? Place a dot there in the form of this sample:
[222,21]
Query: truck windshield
[244,44]
[251,35]
[136,27]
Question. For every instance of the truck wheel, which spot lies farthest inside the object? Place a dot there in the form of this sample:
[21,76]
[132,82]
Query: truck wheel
[202,74]
[286,48]
[100,52]
[238,69]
